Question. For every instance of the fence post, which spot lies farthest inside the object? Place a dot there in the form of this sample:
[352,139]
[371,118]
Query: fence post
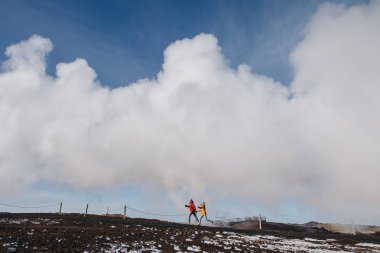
[125,211]
[107,211]
[86,211]
[60,208]
[260,227]
[353,227]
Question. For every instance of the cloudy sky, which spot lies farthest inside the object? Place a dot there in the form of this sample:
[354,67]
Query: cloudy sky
[264,107]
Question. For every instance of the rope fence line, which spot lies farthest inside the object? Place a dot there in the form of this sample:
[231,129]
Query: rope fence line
[156,214]
[128,207]
[260,218]
[87,205]
[51,205]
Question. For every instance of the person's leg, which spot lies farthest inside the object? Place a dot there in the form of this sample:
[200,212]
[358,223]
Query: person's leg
[200,220]
[209,220]
[196,217]
[192,213]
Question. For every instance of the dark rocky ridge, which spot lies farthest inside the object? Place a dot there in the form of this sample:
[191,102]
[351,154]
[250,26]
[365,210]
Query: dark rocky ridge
[73,233]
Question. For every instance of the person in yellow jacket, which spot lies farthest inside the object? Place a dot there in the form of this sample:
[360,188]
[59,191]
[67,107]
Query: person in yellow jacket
[202,209]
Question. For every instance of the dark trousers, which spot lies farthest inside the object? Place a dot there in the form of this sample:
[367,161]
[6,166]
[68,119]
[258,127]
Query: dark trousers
[200,221]
[195,215]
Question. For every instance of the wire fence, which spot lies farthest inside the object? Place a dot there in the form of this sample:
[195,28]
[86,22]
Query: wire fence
[221,220]
[60,209]
[30,207]
[156,214]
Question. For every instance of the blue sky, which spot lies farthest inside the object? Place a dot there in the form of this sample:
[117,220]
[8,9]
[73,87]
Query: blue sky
[124,41]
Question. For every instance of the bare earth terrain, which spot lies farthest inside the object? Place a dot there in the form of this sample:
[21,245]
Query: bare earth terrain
[96,233]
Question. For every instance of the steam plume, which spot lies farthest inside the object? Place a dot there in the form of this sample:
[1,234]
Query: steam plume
[203,128]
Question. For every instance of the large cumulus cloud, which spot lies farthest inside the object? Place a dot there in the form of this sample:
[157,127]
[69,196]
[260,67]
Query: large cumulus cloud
[202,127]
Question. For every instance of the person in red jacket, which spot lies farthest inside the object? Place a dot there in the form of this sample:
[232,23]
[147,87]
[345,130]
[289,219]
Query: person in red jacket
[193,210]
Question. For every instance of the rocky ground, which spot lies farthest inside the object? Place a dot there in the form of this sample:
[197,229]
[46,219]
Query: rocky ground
[95,233]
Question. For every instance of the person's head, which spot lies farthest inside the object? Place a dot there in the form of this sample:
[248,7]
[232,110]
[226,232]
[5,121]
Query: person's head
[191,200]
[204,203]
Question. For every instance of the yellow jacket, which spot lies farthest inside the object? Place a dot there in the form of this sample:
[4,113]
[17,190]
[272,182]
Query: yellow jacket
[202,209]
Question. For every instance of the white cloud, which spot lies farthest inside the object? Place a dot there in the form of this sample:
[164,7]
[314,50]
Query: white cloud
[203,128]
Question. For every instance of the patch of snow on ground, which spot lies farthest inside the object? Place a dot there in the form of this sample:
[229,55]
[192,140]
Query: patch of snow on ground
[194,248]
[370,245]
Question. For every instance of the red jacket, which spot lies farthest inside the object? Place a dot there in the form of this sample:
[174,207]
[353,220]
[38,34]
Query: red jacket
[191,206]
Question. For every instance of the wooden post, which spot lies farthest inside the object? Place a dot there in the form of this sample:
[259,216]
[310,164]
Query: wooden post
[125,211]
[60,208]
[86,211]
[107,211]
[353,227]
[260,227]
